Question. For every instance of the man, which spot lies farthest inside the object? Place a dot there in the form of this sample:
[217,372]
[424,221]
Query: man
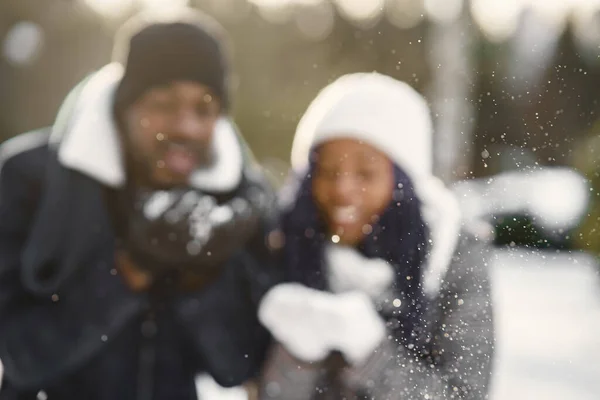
[134,233]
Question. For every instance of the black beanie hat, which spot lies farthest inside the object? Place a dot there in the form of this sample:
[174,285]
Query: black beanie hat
[156,50]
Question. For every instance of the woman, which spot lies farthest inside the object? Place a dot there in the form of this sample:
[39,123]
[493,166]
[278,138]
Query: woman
[388,294]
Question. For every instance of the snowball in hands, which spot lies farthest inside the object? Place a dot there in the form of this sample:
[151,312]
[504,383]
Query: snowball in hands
[348,270]
[312,323]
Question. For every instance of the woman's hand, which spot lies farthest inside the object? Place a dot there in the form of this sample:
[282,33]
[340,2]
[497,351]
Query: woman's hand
[311,324]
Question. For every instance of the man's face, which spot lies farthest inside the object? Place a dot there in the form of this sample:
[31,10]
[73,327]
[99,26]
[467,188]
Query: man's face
[169,132]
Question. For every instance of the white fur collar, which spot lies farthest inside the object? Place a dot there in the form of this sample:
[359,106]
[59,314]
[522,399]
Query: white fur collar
[91,144]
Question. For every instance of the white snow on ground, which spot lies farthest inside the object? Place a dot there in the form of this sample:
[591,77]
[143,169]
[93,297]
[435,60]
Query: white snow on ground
[548,326]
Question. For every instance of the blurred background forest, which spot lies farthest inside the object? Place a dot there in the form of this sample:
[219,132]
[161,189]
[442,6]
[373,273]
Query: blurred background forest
[513,83]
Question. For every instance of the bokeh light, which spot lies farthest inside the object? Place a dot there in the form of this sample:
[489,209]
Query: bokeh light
[231,10]
[23,43]
[361,13]
[163,3]
[497,19]
[276,12]
[404,14]
[315,22]
[444,11]
[110,8]
[271,3]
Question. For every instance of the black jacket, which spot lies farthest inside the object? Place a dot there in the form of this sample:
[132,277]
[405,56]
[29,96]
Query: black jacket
[92,338]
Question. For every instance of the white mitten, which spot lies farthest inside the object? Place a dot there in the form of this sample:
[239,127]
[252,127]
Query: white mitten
[207,388]
[362,329]
[348,270]
[311,324]
[301,319]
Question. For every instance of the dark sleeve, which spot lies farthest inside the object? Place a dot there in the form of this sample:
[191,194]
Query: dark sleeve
[198,232]
[222,324]
[222,319]
[463,342]
[284,377]
[42,338]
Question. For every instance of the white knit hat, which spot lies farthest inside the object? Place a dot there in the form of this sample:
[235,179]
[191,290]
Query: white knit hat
[373,108]
[395,119]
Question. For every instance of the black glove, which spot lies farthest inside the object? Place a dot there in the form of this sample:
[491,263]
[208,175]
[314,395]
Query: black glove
[187,229]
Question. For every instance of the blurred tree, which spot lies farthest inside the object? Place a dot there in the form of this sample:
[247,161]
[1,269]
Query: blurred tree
[454,79]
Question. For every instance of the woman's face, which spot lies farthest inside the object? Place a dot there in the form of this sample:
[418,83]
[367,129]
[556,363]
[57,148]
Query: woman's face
[352,185]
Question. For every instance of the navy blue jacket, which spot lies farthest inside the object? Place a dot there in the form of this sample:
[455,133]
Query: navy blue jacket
[93,338]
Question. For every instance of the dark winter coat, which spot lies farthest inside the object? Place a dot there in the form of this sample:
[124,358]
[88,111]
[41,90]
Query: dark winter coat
[69,327]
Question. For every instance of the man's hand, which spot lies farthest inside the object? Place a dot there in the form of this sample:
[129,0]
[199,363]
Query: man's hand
[185,229]
[136,279]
